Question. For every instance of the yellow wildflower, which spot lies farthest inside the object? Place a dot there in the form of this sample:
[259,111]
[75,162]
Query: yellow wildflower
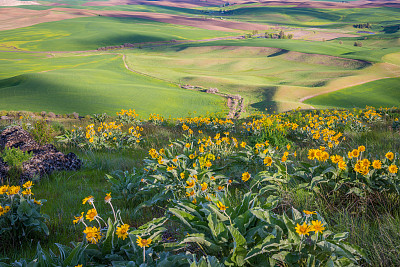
[88,199]
[268,161]
[377,164]
[393,169]
[309,212]
[204,186]
[389,155]
[143,242]
[221,206]
[107,198]
[122,231]
[93,234]
[78,219]
[28,184]
[246,176]
[12,190]
[190,183]
[317,226]
[91,214]
[303,229]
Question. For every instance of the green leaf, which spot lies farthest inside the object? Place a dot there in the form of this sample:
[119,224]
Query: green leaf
[183,216]
[239,247]
[107,244]
[203,242]
[291,228]
[75,255]
[24,208]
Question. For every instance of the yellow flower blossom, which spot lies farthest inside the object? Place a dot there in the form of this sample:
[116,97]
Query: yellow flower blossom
[143,242]
[78,219]
[246,176]
[91,214]
[268,161]
[221,206]
[12,190]
[28,184]
[204,186]
[303,229]
[389,155]
[93,234]
[122,231]
[190,183]
[88,199]
[107,198]
[309,212]
[393,169]
[317,226]
[377,164]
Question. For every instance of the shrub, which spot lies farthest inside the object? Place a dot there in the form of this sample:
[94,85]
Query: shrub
[14,158]
[42,132]
[20,214]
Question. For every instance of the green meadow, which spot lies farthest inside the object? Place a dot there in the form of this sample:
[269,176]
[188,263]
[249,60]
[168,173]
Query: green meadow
[313,17]
[93,32]
[97,84]
[381,93]
[253,72]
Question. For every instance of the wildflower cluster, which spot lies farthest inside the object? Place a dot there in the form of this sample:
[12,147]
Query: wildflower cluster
[207,123]
[127,117]
[20,211]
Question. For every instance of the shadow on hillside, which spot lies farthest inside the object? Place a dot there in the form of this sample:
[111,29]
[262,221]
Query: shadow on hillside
[266,103]
[281,52]
[34,93]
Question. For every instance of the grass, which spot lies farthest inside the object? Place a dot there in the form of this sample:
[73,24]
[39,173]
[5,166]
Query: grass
[97,84]
[91,33]
[312,17]
[372,53]
[255,73]
[385,93]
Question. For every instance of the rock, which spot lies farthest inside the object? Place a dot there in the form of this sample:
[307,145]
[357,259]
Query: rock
[212,91]
[51,115]
[75,115]
[18,138]
[45,160]
[5,118]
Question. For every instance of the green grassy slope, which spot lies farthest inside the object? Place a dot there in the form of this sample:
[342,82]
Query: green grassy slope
[93,32]
[101,85]
[304,17]
[385,93]
[370,52]
[254,73]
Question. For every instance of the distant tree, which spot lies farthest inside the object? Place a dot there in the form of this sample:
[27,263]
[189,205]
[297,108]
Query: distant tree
[340,42]
[254,32]
[359,44]
[290,36]
[281,35]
